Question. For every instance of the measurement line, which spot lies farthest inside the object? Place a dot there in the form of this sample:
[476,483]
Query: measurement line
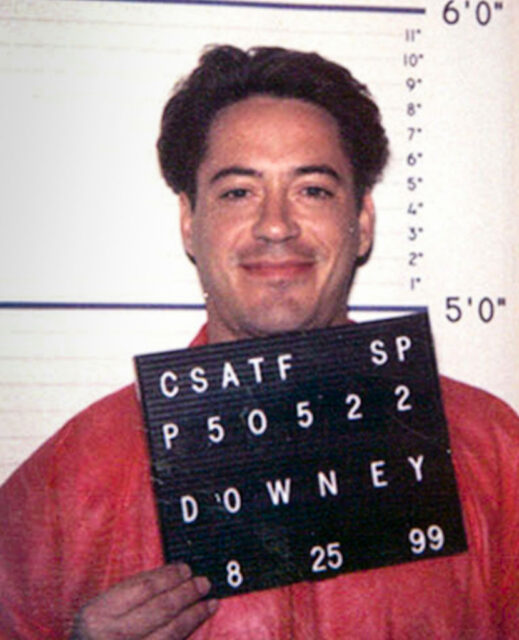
[257,4]
[164,306]
[367,308]
[101,306]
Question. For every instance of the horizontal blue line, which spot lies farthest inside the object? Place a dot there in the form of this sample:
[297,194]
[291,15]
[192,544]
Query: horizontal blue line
[103,306]
[367,308]
[154,306]
[256,4]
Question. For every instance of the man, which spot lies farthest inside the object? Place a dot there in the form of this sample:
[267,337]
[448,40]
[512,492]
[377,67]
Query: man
[274,155]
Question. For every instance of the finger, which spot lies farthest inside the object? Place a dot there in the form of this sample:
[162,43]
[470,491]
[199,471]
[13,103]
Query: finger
[187,622]
[137,590]
[166,606]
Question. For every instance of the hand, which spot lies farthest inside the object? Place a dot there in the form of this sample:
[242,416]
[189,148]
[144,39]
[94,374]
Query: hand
[157,605]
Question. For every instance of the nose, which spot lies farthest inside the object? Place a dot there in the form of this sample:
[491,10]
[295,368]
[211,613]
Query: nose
[276,220]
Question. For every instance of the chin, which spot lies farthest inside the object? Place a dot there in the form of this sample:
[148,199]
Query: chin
[282,323]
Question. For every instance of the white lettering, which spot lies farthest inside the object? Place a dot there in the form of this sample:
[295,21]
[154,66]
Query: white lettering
[167,384]
[403,344]
[304,414]
[377,472]
[416,463]
[189,507]
[377,348]
[169,432]
[284,365]
[330,559]
[229,376]
[234,574]
[215,428]
[256,365]
[354,401]
[200,384]
[327,483]
[279,491]
[257,422]
[403,394]
[232,500]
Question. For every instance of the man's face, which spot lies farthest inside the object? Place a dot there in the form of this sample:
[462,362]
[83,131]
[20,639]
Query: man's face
[275,232]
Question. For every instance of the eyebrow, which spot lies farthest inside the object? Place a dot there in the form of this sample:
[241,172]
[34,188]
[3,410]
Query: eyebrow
[237,170]
[319,168]
[234,170]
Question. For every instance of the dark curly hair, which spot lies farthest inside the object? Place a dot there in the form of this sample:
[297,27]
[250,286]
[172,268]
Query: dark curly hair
[227,74]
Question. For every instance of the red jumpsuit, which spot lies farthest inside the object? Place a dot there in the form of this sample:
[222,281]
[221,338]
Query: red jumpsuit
[79,516]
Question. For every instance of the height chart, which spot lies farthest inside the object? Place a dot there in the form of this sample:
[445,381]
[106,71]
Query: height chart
[93,271]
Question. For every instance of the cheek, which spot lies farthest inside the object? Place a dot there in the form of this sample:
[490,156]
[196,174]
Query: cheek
[338,238]
[213,247]
[222,235]
[203,238]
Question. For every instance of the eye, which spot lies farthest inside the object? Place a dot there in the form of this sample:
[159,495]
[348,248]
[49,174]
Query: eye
[317,192]
[235,194]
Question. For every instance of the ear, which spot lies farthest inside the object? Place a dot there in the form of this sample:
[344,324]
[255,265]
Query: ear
[366,224]
[186,223]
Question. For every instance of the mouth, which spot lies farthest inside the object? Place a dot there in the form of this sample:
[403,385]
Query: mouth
[278,270]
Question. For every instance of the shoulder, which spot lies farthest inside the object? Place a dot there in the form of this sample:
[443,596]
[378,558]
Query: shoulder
[84,493]
[99,442]
[117,415]
[484,439]
[107,437]
[464,399]
[113,419]
[479,422]
[484,436]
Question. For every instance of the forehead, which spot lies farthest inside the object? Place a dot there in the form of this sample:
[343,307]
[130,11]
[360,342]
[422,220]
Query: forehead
[264,105]
[273,125]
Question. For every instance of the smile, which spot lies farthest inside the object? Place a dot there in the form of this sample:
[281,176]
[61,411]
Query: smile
[278,269]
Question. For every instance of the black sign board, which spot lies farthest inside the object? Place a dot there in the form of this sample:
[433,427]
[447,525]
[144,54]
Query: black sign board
[301,456]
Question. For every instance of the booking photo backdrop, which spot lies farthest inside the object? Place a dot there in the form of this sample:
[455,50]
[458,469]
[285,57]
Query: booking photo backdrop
[92,267]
